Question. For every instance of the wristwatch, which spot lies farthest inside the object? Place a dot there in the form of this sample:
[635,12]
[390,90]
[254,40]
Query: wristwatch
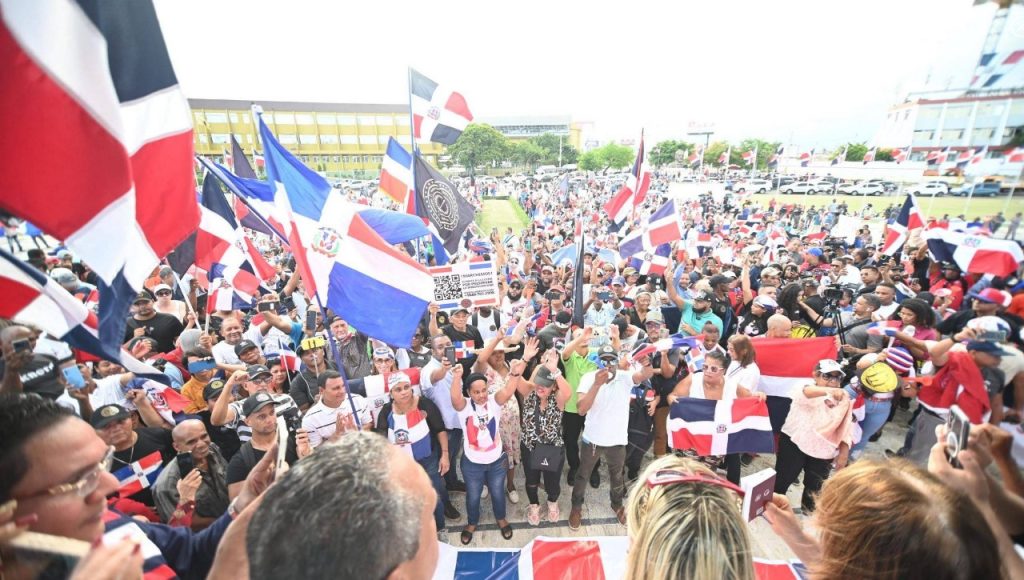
[554,374]
[233,509]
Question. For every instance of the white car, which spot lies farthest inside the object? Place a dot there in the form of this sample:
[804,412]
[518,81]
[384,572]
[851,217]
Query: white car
[753,186]
[807,187]
[846,188]
[931,188]
[873,188]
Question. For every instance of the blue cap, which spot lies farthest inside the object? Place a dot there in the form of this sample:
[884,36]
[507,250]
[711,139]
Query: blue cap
[618,280]
[986,346]
[815,252]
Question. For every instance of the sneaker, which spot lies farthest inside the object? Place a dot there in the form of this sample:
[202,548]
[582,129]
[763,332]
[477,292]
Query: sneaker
[595,479]
[458,487]
[486,492]
[621,515]
[746,459]
[570,479]
[553,513]
[513,496]
[876,436]
[533,514]
[442,536]
[450,512]
[893,454]
[575,519]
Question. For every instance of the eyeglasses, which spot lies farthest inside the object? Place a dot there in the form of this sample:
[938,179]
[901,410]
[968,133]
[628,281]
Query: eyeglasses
[672,476]
[713,369]
[261,380]
[86,484]
[163,293]
[832,376]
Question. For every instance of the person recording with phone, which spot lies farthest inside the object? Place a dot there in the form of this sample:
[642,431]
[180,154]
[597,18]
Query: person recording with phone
[25,371]
[261,412]
[201,470]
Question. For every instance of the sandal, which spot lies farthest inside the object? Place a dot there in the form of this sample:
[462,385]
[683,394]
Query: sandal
[466,537]
[506,531]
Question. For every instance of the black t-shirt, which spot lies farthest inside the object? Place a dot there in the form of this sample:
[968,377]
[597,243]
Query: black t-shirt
[471,333]
[434,420]
[163,328]
[226,438]
[751,325]
[151,440]
[41,375]
[248,456]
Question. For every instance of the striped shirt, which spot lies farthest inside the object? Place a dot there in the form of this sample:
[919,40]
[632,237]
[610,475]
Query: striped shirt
[321,421]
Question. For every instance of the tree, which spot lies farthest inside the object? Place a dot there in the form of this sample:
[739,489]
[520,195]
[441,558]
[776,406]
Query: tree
[527,153]
[664,152]
[884,155]
[714,151]
[765,149]
[549,143]
[479,145]
[610,156]
[855,151]
[590,161]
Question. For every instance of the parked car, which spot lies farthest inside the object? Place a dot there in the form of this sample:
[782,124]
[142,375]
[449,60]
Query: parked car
[808,187]
[781,182]
[868,188]
[930,188]
[846,188]
[986,189]
[753,186]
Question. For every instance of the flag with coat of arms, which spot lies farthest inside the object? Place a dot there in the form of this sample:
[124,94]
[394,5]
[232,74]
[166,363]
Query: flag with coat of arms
[663,227]
[139,475]
[439,114]
[720,427]
[650,263]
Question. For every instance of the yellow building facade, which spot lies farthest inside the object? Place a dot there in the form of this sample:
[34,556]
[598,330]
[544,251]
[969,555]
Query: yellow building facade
[337,139]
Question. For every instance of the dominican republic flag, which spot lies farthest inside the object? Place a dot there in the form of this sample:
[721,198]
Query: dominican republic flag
[750,156]
[257,196]
[870,155]
[841,157]
[482,430]
[938,156]
[343,262]
[773,161]
[900,155]
[632,194]
[971,157]
[697,156]
[652,263]
[439,115]
[410,433]
[31,297]
[396,173]
[1014,156]
[805,158]
[118,526]
[896,233]
[97,140]
[786,363]
[439,202]
[974,254]
[720,427]
[884,327]
[478,246]
[378,393]
[674,341]
[663,227]
[723,159]
[139,475]
[993,66]
[289,360]
[694,359]
[463,349]
[165,400]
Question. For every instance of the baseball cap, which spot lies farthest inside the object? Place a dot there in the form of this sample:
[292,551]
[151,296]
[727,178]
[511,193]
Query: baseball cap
[543,378]
[213,389]
[563,319]
[63,254]
[991,348]
[718,279]
[771,271]
[607,352]
[815,252]
[256,402]
[702,296]
[618,281]
[766,302]
[516,282]
[143,295]
[397,379]
[244,346]
[629,272]
[950,266]
[108,414]
[547,268]
[256,370]
[160,287]
[989,324]
[309,344]
[808,281]
[828,365]
[458,310]
[655,316]
[992,296]
[63,276]
[383,352]
[731,275]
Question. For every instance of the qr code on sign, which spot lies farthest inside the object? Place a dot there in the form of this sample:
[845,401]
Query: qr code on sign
[447,288]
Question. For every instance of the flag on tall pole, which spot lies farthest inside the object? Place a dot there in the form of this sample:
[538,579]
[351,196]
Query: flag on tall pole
[662,227]
[773,161]
[870,155]
[750,156]
[1016,155]
[577,284]
[102,99]
[938,156]
[396,174]
[440,202]
[242,167]
[900,155]
[343,262]
[897,233]
[622,204]
[805,158]
[439,114]
[723,159]
[841,157]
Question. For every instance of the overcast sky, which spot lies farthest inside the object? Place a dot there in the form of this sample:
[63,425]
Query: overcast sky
[810,73]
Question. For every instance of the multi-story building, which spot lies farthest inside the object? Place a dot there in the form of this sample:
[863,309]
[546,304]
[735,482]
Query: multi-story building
[521,128]
[333,138]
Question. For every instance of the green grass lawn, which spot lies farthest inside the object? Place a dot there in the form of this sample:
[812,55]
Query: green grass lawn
[501,214]
[932,207]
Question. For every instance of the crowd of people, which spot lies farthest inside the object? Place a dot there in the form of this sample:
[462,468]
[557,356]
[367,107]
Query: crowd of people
[302,422]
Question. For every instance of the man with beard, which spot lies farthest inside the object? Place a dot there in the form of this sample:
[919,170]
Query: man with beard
[694,313]
[513,300]
[135,449]
[211,499]
[547,279]
[146,321]
[950,277]
[458,330]
[351,349]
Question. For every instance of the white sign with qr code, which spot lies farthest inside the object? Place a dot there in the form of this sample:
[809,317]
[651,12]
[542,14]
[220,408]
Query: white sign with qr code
[465,285]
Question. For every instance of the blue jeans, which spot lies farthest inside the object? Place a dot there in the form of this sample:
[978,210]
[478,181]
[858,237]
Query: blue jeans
[430,465]
[476,475]
[454,446]
[876,413]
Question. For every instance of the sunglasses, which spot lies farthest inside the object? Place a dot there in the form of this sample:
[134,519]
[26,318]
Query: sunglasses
[671,477]
[713,369]
[833,376]
[163,293]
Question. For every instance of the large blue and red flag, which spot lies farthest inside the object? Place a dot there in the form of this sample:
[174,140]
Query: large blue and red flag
[439,114]
[342,260]
[938,156]
[974,254]
[101,97]
[896,233]
[721,427]
[396,176]
[632,194]
[652,263]
[992,67]
[663,227]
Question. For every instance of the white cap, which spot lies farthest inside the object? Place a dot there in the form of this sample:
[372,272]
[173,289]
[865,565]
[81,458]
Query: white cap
[828,365]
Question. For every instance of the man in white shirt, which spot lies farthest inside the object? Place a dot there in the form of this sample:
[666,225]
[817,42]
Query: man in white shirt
[435,384]
[321,421]
[604,400]
[886,293]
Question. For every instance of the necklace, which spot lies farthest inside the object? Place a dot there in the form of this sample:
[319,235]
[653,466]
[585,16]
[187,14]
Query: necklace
[131,456]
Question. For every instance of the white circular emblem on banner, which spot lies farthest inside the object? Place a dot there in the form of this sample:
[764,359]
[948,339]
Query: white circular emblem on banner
[441,204]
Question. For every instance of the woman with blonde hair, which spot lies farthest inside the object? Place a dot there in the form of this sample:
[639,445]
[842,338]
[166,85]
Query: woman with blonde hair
[684,522]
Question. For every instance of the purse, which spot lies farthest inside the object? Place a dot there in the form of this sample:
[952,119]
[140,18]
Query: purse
[544,456]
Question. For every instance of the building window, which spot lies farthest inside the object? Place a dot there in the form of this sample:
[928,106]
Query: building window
[335,158]
[307,139]
[367,139]
[383,139]
[329,139]
[202,138]
[220,138]
[991,108]
[233,116]
[287,139]
[368,120]
[982,135]
[284,118]
[267,117]
[958,111]
[1017,107]
[303,119]
[346,120]
[216,118]
[349,140]
[327,119]
[245,118]
[385,121]
[402,121]
[932,112]
[951,135]
[920,136]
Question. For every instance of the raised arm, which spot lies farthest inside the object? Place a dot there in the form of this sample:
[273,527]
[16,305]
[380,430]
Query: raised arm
[458,401]
[222,413]
[515,377]
[670,286]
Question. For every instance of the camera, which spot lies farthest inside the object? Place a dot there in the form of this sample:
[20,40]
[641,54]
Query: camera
[958,427]
[289,411]
[832,294]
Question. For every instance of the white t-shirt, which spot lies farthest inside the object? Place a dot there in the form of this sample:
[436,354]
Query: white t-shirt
[440,393]
[608,418]
[321,421]
[224,353]
[747,377]
[481,440]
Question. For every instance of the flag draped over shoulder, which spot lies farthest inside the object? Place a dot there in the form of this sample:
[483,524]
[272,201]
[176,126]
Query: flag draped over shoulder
[101,97]
[440,202]
[342,260]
